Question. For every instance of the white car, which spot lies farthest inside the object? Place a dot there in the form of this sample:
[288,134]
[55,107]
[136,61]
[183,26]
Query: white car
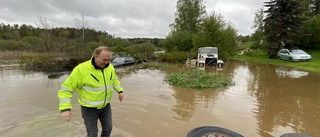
[293,55]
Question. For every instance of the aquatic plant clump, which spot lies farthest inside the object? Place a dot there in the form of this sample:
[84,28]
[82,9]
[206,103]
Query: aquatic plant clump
[198,79]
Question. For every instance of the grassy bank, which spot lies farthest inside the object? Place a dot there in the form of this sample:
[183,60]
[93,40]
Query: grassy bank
[262,57]
[15,55]
[11,57]
[50,62]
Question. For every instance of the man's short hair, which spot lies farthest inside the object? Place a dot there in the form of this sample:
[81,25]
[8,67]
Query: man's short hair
[98,50]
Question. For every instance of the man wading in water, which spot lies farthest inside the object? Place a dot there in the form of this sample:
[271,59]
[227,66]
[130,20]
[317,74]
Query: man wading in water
[95,81]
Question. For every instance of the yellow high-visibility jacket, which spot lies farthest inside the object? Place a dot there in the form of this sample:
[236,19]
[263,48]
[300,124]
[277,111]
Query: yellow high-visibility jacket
[94,86]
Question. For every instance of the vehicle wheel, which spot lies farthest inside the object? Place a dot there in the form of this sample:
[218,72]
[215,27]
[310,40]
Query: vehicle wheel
[278,57]
[296,135]
[290,59]
[208,131]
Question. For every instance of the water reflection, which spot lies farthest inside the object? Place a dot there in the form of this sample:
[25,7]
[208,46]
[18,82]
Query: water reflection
[185,105]
[187,100]
[265,101]
[285,104]
[290,72]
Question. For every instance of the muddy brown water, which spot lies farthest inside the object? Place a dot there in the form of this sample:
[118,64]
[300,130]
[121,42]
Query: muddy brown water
[265,101]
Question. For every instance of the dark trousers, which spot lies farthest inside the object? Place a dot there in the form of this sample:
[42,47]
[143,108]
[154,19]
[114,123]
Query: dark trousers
[91,116]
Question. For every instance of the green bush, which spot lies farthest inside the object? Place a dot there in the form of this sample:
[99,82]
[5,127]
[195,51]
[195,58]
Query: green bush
[91,46]
[178,41]
[256,53]
[144,51]
[32,43]
[45,63]
[198,79]
[312,29]
[10,45]
[176,57]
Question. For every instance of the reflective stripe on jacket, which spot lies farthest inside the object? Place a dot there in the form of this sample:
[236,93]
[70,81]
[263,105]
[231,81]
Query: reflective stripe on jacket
[94,86]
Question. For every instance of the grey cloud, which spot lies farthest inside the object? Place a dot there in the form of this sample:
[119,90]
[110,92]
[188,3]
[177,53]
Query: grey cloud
[123,18]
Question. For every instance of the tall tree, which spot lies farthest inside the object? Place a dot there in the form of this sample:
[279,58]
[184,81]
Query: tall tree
[282,25]
[188,19]
[216,32]
[258,24]
[307,6]
[315,7]
[82,23]
[46,33]
[312,38]
[189,15]
[26,30]
[178,41]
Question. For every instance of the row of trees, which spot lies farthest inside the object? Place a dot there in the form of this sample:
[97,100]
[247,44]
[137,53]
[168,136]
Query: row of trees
[287,24]
[77,41]
[76,44]
[194,28]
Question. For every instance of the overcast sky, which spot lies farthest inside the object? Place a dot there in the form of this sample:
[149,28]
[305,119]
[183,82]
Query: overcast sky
[123,18]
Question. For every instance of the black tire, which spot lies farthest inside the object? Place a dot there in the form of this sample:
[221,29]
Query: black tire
[206,131]
[296,135]
[279,57]
[290,59]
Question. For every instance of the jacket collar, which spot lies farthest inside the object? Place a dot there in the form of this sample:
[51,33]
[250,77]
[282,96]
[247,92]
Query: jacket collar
[95,66]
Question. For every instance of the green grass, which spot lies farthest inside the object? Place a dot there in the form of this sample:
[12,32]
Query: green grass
[198,79]
[262,57]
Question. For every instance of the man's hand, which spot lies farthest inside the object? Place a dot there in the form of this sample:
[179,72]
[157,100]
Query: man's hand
[66,115]
[121,96]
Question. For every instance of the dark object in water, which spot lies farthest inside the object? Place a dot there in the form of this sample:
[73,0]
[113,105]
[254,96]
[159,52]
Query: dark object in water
[56,75]
[207,131]
[123,61]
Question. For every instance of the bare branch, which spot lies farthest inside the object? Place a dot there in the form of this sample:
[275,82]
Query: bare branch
[43,23]
[81,21]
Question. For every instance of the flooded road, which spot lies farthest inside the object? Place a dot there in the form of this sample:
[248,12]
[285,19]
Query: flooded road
[265,101]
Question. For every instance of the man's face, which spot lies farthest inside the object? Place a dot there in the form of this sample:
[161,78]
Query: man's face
[103,59]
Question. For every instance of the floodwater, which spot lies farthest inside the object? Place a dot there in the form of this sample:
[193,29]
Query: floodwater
[265,101]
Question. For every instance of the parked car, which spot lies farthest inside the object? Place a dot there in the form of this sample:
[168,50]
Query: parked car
[123,61]
[293,55]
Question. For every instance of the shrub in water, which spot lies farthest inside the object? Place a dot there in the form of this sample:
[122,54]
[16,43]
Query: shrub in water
[198,79]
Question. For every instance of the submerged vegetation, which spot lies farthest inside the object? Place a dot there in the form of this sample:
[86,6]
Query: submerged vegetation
[194,78]
[198,79]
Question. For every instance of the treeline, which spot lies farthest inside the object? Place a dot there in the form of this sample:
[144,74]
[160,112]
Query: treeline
[58,49]
[28,38]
